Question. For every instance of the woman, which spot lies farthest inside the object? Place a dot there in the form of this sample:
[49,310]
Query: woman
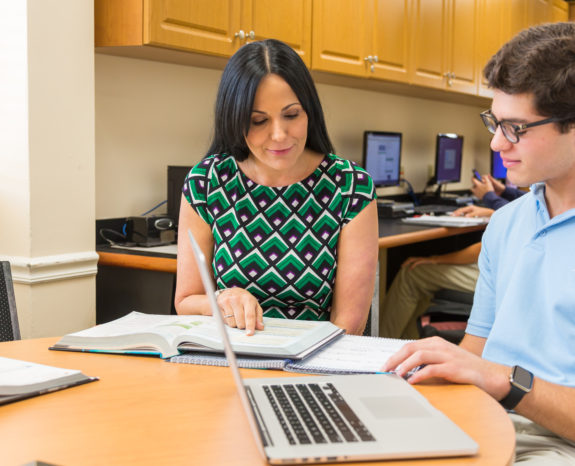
[290,229]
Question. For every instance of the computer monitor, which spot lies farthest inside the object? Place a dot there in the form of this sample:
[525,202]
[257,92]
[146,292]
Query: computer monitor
[448,156]
[382,157]
[176,177]
[498,171]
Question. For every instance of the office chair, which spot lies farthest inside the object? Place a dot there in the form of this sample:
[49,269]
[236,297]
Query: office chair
[447,315]
[9,329]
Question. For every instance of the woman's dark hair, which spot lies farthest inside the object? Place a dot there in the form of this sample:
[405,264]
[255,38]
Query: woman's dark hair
[237,89]
[539,61]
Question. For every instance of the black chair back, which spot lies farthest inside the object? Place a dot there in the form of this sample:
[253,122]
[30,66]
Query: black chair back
[9,328]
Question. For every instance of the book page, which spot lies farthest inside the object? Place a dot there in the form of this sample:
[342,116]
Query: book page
[350,354]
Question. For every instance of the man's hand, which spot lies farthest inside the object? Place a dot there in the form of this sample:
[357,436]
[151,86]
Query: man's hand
[437,357]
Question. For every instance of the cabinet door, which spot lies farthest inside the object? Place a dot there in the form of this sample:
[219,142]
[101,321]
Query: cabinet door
[543,11]
[559,11]
[462,59]
[492,33]
[288,21]
[517,17]
[429,36]
[340,31]
[539,11]
[390,39]
[207,26]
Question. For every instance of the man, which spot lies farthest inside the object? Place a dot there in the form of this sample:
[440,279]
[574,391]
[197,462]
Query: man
[518,345]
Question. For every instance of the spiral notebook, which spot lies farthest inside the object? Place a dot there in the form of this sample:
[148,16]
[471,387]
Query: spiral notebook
[349,354]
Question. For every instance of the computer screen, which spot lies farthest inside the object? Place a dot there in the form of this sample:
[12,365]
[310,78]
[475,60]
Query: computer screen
[497,169]
[382,157]
[448,155]
[176,177]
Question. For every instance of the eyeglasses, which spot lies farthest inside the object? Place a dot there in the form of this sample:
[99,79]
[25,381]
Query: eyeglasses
[511,131]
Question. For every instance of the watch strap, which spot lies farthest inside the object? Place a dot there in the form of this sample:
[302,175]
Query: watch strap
[513,398]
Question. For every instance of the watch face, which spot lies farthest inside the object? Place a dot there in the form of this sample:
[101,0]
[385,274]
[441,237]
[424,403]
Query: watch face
[522,377]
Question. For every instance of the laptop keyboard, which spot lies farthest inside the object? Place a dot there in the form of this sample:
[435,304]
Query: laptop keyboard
[314,413]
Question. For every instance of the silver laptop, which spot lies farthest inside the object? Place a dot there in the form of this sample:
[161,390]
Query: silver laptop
[321,419]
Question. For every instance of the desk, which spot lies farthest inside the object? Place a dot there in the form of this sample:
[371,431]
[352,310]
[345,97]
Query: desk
[392,233]
[118,291]
[148,411]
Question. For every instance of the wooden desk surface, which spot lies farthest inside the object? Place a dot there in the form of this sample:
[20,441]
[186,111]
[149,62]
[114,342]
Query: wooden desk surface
[147,411]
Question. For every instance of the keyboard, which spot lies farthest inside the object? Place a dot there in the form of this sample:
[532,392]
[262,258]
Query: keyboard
[446,221]
[314,413]
[433,209]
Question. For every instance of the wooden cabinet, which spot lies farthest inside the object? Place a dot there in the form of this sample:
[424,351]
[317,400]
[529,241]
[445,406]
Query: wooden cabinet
[215,27]
[444,44]
[389,39]
[339,42]
[367,38]
[211,26]
[493,29]
[288,21]
[499,20]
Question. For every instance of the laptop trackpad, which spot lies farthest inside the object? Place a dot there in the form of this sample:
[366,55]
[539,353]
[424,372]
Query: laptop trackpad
[385,407]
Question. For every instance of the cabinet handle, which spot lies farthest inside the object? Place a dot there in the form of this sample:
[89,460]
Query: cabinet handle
[450,77]
[240,35]
[371,59]
[252,35]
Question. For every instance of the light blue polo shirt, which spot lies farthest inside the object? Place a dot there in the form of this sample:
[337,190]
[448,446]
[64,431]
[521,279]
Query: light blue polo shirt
[525,297]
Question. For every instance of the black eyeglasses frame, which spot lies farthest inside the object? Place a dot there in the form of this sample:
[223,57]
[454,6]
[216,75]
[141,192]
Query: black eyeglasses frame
[518,129]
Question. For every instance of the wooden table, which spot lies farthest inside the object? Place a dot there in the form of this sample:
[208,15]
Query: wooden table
[147,411]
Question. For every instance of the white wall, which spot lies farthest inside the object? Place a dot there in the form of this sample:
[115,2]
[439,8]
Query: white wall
[151,114]
[47,158]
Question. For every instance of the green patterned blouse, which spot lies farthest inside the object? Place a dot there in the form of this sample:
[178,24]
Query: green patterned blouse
[280,244]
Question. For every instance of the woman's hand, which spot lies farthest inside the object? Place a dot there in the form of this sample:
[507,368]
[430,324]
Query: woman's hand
[240,309]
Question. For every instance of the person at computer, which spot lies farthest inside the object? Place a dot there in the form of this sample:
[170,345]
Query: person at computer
[492,193]
[518,345]
[412,289]
[290,228]
[420,277]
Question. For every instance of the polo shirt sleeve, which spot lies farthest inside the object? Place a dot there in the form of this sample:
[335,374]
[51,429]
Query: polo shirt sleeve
[483,311]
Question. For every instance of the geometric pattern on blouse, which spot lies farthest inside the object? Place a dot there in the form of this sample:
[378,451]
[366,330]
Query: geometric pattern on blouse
[279,243]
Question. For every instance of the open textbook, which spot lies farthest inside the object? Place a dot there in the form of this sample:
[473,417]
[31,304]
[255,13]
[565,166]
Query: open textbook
[168,335]
[23,379]
[350,354]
